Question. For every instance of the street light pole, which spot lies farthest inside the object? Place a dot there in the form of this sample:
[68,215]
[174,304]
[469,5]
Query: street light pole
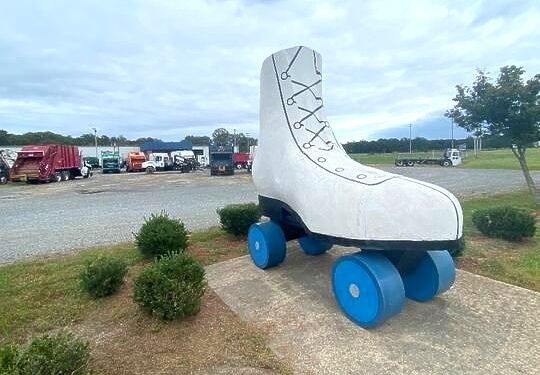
[95,140]
[410,138]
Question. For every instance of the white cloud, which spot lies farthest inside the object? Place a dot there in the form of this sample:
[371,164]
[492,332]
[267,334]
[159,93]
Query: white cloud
[171,68]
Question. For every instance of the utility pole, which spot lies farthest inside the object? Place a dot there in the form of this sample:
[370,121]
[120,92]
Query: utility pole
[410,138]
[247,136]
[234,140]
[452,133]
[95,140]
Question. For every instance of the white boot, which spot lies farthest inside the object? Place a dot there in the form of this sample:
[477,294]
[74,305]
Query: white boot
[299,162]
[311,190]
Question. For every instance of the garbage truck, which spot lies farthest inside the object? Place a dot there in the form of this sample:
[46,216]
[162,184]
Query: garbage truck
[135,161]
[48,163]
[110,162]
[7,160]
[221,160]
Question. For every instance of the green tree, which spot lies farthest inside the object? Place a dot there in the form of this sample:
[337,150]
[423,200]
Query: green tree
[509,106]
[4,138]
[221,136]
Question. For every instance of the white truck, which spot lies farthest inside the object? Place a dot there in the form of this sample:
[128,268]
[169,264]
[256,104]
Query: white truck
[451,157]
[158,161]
[183,161]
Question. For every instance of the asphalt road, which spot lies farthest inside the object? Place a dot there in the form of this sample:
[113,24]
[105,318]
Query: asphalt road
[57,217]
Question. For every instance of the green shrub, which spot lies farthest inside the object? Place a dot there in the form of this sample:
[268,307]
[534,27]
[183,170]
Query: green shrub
[58,354]
[103,276]
[237,218]
[505,222]
[161,235]
[172,287]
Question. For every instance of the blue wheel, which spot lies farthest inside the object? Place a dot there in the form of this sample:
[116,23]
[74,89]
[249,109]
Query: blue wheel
[313,246]
[368,288]
[266,244]
[434,274]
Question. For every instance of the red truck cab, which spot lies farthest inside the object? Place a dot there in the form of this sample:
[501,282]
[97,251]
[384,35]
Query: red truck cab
[240,160]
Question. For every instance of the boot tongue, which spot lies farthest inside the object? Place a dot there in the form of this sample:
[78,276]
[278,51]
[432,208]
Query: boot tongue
[299,80]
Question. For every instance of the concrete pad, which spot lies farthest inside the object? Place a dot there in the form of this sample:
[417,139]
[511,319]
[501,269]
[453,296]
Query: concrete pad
[480,326]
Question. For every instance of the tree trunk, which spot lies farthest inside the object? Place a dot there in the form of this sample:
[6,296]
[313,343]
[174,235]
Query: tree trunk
[519,153]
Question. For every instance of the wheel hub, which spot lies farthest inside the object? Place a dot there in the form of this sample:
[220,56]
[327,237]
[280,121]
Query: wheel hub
[354,290]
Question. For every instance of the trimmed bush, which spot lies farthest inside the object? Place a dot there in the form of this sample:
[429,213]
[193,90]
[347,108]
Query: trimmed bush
[172,287]
[161,235]
[103,276]
[237,218]
[63,353]
[505,222]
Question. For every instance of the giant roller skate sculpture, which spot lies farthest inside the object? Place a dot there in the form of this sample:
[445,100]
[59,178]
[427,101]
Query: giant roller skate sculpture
[313,192]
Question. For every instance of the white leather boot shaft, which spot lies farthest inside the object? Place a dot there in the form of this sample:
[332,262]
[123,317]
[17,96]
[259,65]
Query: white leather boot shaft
[300,162]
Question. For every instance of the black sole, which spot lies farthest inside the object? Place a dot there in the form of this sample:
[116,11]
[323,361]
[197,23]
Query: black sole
[293,228]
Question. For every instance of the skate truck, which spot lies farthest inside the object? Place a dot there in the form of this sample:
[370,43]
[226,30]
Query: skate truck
[312,192]
[450,157]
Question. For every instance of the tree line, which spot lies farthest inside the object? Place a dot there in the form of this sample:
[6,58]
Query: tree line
[219,136]
[419,144]
[222,136]
[8,139]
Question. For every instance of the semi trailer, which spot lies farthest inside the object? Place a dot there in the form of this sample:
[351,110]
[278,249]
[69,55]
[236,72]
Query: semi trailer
[450,157]
[135,161]
[110,162]
[47,163]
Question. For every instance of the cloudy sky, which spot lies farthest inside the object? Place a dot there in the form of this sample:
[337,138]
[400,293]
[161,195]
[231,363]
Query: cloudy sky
[170,68]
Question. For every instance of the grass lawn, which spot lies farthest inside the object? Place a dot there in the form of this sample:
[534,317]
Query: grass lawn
[516,263]
[387,158]
[502,159]
[496,159]
[43,294]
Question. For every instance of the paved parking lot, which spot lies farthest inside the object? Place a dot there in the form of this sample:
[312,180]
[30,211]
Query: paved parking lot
[38,219]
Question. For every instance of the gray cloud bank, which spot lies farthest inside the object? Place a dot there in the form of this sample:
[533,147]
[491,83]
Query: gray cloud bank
[172,68]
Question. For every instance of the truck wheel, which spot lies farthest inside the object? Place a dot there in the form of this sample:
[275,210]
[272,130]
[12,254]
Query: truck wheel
[399,163]
[57,177]
[65,175]
[446,163]
[3,180]
[150,170]
[239,166]
[410,163]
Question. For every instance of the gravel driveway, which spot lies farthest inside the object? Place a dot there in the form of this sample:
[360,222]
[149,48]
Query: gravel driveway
[40,219]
